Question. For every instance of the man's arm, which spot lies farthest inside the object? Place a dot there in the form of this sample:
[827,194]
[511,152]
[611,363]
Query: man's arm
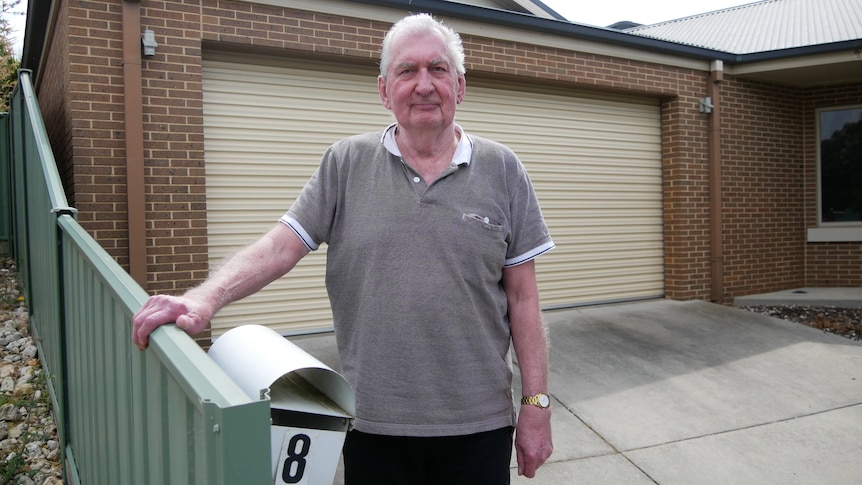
[249,270]
[533,443]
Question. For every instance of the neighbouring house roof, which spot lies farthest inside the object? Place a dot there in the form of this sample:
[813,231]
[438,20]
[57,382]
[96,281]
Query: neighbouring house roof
[764,26]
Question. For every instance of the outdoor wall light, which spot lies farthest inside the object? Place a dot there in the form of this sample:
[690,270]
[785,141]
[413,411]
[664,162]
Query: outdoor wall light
[148,43]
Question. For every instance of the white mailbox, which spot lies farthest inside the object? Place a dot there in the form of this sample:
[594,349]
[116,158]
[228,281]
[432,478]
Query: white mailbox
[312,406]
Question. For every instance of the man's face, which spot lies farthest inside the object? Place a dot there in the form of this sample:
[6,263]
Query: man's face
[422,87]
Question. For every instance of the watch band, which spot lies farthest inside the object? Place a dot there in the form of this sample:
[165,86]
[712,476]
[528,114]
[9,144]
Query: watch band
[539,400]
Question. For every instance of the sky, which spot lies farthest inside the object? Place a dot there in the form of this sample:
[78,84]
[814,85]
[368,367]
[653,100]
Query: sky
[606,12]
[590,12]
[18,26]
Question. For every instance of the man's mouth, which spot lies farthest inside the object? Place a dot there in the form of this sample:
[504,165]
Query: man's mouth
[425,105]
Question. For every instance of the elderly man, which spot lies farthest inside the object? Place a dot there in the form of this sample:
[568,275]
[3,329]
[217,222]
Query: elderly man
[432,236]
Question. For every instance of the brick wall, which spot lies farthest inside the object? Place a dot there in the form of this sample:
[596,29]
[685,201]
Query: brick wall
[174,152]
[174,148]
[54,104]
[686,192]
[763,190]
[95,111]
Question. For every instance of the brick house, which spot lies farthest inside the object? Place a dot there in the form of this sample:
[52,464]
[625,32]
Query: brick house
[666,167]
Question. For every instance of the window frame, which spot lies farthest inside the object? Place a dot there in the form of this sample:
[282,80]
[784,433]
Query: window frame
[831,231]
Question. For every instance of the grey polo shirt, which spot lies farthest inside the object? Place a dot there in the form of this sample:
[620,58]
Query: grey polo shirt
[414,279]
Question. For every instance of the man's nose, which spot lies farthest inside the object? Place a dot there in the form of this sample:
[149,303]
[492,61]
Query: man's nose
[424,84]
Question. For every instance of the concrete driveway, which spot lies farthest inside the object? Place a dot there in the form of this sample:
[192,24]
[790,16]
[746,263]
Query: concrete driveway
[667,392]
[691,392]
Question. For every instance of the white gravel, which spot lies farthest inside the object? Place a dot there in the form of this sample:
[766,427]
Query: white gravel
[846,322]
[29,445]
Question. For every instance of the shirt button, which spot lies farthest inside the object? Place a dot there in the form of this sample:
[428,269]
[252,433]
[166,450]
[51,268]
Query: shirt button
[417,179]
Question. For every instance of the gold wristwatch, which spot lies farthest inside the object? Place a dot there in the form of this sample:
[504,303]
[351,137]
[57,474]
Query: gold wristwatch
[541,400]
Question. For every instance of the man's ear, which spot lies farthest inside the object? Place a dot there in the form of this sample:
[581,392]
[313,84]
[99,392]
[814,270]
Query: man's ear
[381,89]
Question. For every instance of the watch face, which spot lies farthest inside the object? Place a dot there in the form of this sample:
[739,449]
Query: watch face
[544,400]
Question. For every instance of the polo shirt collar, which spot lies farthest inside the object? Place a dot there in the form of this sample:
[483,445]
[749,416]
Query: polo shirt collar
[462,154]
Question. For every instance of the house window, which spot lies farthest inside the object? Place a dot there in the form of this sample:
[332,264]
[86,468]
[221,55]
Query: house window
[840,156]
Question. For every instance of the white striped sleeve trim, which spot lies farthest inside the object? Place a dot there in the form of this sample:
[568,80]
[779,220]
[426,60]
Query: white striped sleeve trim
[300,231]
[534,253]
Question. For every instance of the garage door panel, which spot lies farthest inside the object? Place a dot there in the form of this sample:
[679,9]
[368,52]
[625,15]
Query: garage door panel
[595,161]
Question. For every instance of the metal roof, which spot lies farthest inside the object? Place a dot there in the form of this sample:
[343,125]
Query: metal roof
[764,26]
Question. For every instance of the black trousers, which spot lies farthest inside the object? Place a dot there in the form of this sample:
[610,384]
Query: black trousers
[478,459]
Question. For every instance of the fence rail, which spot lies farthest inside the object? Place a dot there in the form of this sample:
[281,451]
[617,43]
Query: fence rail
[166,415]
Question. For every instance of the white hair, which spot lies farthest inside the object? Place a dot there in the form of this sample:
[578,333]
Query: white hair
[418,24]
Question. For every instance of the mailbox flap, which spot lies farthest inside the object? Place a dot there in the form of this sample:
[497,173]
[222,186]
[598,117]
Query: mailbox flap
[258,358]
[295,391]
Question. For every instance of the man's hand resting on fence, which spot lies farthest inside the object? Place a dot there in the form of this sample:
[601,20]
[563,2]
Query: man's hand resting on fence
[187,312]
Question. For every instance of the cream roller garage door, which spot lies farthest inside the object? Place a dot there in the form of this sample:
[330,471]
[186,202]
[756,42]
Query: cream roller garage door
[594,159]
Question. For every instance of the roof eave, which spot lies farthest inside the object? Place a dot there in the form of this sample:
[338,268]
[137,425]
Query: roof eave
[551,26]
[36,33]
[807,50]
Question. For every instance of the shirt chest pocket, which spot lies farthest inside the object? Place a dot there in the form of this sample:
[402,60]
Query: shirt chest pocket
[478,221]
[482,237]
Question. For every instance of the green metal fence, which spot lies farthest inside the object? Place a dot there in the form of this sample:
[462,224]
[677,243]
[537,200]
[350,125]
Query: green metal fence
[5,183]
[167,415]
